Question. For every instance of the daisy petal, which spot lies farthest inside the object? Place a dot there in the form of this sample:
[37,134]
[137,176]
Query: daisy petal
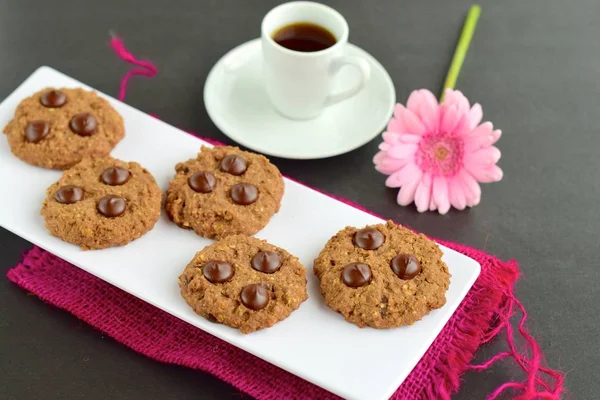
[413,102]
[387,165]
[456,194]
[474,116]
[403,176]
[482,157]
[378,158]
[392,180]
[462,110]
[408,138]
[432,205]
[423,193]
[440,194]
[406,195]
[398,109]
[495,154]
[403,151]
[484,129]
[412,123]
[400,177]
[384,146]
[475,189]
[474,201]
[384,169]
[450,98]
[496,135]
[474,143]
[429,110]
[461,103]
[493,173]
[457,99]
[462,126]
[391,137]
[395,125]
[449,120]
[470,186]
[428,97]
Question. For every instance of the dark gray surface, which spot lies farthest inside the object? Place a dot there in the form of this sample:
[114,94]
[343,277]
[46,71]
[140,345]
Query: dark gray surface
[532,65]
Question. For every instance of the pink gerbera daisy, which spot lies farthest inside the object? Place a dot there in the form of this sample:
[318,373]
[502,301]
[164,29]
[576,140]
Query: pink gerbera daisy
[437,153]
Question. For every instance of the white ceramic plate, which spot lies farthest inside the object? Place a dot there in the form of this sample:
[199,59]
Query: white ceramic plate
[237,103]
[312,343]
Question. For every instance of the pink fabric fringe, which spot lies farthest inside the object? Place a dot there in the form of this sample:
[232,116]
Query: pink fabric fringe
[484,313]
[145,68]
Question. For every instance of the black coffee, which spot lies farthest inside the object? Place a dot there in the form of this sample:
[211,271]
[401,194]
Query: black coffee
[304,36]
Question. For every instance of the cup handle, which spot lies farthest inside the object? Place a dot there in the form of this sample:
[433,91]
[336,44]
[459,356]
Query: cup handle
[363,67]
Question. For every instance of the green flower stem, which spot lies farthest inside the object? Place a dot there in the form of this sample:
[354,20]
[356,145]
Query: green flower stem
[461,48]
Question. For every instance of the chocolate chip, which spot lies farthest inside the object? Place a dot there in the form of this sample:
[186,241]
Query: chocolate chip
[266,261]
[244,193]
[68,194]
[368,239]
[217,271]
[112,206]
[115,176]
[83,124]
[36,130]
[202,182]
[234,164]
[357,275]
[53,99]
[406,266]
[255,296]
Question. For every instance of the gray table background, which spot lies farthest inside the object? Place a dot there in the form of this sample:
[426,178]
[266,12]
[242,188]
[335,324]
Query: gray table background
[533,65]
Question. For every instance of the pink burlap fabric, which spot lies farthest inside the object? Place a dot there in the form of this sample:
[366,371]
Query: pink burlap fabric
[484,313]
[156,334]
[165,338]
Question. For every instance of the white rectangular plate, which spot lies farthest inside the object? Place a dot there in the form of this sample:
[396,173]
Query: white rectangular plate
[312,343]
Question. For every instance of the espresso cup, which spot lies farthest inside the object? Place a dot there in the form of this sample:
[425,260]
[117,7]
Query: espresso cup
[299,83]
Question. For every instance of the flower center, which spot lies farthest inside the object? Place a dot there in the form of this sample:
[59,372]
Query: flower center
[440,155]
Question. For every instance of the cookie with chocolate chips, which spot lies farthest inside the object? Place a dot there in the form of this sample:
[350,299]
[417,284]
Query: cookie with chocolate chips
[102,202]
[224,191]
[382,276]
[244,283]
[57,128]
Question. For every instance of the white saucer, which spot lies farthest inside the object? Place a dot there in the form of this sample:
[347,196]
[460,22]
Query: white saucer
[237,103]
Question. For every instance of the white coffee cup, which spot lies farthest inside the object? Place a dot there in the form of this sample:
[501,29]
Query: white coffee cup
[299,84]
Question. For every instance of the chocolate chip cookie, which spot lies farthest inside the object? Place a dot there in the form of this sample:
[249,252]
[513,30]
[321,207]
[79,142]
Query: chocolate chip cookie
[224,191]
[57,128]
[382,275]
[244,283]
[102,202]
